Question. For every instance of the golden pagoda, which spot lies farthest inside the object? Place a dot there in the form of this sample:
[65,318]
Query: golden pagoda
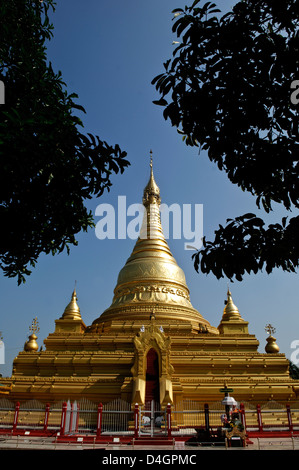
[151,343]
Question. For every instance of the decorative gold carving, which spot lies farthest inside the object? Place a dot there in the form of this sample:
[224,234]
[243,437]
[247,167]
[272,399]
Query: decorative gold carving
[157,269]
[151,288]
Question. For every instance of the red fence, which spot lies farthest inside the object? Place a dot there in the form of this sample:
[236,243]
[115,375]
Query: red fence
[119,418]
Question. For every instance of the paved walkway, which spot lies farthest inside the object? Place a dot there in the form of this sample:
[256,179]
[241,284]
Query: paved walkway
[49,443]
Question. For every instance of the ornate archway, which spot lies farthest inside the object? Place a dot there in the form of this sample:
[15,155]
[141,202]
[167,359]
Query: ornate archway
[152,338]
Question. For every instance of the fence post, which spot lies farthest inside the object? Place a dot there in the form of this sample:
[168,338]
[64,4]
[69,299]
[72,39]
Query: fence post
[99,420]
[168,416]
[77,417]
[289,417]
[71,417]
[243,417]
[259,417]
[16,417]
[46,420]
[207,416]
[136,420]
[63,418]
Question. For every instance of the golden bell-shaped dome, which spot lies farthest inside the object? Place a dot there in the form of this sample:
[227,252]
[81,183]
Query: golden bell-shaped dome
[31,344]
[151,279]
[271,346]
[72,310]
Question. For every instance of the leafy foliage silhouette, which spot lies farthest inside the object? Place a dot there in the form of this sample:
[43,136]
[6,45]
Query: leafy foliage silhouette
[227,90]
[49,168]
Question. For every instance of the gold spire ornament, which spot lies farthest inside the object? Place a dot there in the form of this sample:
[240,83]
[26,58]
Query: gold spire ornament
[271,346]
[71,319]
[270,329]
[230,312]
[72,310]
[151,194]
[232,321]
[31,344]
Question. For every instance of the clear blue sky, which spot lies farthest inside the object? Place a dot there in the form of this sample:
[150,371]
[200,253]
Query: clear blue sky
[108,53]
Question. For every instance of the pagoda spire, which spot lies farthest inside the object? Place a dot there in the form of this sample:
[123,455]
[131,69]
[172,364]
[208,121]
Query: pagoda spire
[71,319]
[231,311]
[72,310]
[231,319]
[151,192]
[151,228]
[151,277]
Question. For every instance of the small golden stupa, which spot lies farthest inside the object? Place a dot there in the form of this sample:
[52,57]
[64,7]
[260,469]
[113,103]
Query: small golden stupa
[151,343]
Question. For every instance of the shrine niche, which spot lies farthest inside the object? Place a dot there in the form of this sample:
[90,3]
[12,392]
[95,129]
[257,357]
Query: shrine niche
[148,338]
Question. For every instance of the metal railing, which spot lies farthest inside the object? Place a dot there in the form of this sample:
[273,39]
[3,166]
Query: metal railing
[118,418]
[152,420]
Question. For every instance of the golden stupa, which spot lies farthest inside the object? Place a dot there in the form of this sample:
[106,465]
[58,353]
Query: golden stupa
[151,343]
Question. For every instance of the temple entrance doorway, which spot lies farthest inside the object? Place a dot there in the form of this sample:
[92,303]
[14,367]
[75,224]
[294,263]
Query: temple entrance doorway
[152,389]
[152,418]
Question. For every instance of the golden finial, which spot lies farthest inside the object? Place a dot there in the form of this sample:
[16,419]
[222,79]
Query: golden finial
[31,344]
[270,329]
[151,191]
[271,346]
[34,328]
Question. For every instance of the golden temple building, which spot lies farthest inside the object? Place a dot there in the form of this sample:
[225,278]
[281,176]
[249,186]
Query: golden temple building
[151,343]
